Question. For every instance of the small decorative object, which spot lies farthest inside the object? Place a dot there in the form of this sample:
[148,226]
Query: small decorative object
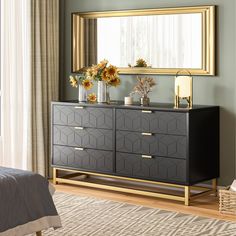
[92,97]
[183,89]
[128,100]
[143,87]
[84,85]
[139,63]
[106,75]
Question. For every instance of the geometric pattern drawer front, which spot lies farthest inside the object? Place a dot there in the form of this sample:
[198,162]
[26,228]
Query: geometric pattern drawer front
[87,117]
[88,159]
[157,144]
[155,122]
[156,168]
[86,138]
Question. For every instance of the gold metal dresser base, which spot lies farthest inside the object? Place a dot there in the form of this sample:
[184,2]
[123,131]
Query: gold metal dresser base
[189,192]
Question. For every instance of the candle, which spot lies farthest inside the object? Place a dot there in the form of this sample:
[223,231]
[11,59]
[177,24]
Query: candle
[128,100]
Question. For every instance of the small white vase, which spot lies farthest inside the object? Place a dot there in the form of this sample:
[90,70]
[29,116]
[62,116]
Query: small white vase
[82,94]
[102,92]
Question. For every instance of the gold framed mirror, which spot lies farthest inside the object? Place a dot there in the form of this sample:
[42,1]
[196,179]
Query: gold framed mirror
[166,40]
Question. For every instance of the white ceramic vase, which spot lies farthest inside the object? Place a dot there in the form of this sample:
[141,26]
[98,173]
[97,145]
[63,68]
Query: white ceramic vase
[82,94]
[102,92]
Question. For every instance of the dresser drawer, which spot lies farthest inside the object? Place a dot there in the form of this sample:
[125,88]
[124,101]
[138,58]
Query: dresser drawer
[155,122]
[87,137]
[155,168]
[87,159]
[156,144]
[83,116]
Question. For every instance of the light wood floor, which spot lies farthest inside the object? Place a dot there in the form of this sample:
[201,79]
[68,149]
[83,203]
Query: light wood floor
[206,206]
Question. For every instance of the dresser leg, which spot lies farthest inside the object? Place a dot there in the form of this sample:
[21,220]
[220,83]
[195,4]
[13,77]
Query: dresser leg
[54,176]
[214,187]
[186,195]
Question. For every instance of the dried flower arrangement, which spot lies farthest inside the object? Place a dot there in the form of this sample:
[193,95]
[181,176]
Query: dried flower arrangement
[104,72]
[144,86]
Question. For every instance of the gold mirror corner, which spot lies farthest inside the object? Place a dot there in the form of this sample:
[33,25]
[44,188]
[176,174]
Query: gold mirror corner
[123,37]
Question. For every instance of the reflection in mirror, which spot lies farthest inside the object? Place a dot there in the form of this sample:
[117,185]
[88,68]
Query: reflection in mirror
[90,42]
[163,41]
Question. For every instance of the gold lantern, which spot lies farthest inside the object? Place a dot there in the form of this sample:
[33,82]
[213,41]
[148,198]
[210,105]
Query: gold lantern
[183,89]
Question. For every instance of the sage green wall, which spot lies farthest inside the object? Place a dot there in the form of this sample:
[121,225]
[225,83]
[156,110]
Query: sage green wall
[219,90]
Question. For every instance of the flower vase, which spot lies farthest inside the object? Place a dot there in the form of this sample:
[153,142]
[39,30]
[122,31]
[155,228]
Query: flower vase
[82,94]
[108,95]
[145,100]
[102,92]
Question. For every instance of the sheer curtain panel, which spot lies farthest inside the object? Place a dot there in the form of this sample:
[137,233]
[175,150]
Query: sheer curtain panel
[30,81]
[15,76]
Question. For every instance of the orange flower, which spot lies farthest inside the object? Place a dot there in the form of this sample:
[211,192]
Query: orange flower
[103,72]
[111,71]
[89,73]
[73,82]
[92,97]
[102,64]
[141,63]
[87,84]
[114,81]
[94,70]
[105,75]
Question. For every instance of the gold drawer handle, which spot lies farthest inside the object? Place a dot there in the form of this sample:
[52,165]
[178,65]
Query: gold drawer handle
[147,156]
[79,149]
[147,134]
[79,107]
[146,111]
[78,127]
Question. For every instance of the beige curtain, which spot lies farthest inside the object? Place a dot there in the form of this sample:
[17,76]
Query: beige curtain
[45,79]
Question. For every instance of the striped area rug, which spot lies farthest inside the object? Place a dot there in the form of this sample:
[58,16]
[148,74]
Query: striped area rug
[85,216]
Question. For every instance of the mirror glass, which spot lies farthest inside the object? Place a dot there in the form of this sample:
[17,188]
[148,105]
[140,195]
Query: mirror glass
[163,41]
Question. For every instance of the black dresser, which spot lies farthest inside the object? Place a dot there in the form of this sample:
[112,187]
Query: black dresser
[176,147]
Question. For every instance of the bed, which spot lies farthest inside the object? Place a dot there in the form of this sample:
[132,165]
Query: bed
[26,205]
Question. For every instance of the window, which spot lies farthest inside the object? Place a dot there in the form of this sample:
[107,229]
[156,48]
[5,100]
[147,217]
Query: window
[0,81]
[0,84]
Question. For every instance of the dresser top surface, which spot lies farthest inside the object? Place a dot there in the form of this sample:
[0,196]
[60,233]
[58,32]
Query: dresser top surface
[120,104]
